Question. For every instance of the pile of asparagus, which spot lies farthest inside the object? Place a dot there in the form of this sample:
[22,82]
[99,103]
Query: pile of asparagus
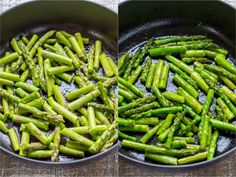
[175,128]
[79,123]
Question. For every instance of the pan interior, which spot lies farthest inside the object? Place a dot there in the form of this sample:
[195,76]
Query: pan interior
[136,37]
[108,47]
[37,17]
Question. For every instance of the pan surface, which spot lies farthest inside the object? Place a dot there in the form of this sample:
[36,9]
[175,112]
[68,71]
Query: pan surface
[168,18]
[71,16]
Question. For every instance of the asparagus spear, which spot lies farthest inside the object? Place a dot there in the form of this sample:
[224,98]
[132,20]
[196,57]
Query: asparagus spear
[147,121]
[27,86]
[14,139]
[62,39]
[9,58]
[32,41]
[30,97]
[229,93]
[63,111]
[191,159]
[9,76]
[228,82]
[208,101]
[80,41]
[176,144]
[223,125]
[25,39]
[69,151]
[25,140]
[183,75]
[40,154]
[83,100]
[158,73]
[166,50]
[164,77]
[130,66]
[5,93]
[167,122]
[125,136]
[102,139]
[194,53]
[157,150]
[76,93]
[135,128]
[225,109]
[77,48]
[164,102]
[162,159]
[58,96]
[200,81]
[173,128]
[187,139]
[212,148]
[134,89]
[135,74]
[98,48]
[179,64]
[91,119]
[190,101]
[140,109]
[41,114]
[194,59]
[150,133]
[221,71]
[16,64]
[142,54]
[178,38]
[199,65]
[220,60]
[23,119]
[126,122]
[34,131]
[220,115]
[122,63]
[75,136]
[56,57]
[15,46]
[3,127]
[229,103]
[113,65]
[30,63]
[158,111]
[204,132]
[145,72]
[174,97]
[126,94]
[205,75]
[150,76]
[106,65]
[110,142]
[104,95]
[185,85]
[136,104]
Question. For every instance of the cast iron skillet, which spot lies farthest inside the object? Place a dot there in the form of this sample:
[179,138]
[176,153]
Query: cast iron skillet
[142,20]
[90,19]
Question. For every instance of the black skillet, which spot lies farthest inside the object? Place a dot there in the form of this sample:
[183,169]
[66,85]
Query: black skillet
[142,20]
[92,20]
